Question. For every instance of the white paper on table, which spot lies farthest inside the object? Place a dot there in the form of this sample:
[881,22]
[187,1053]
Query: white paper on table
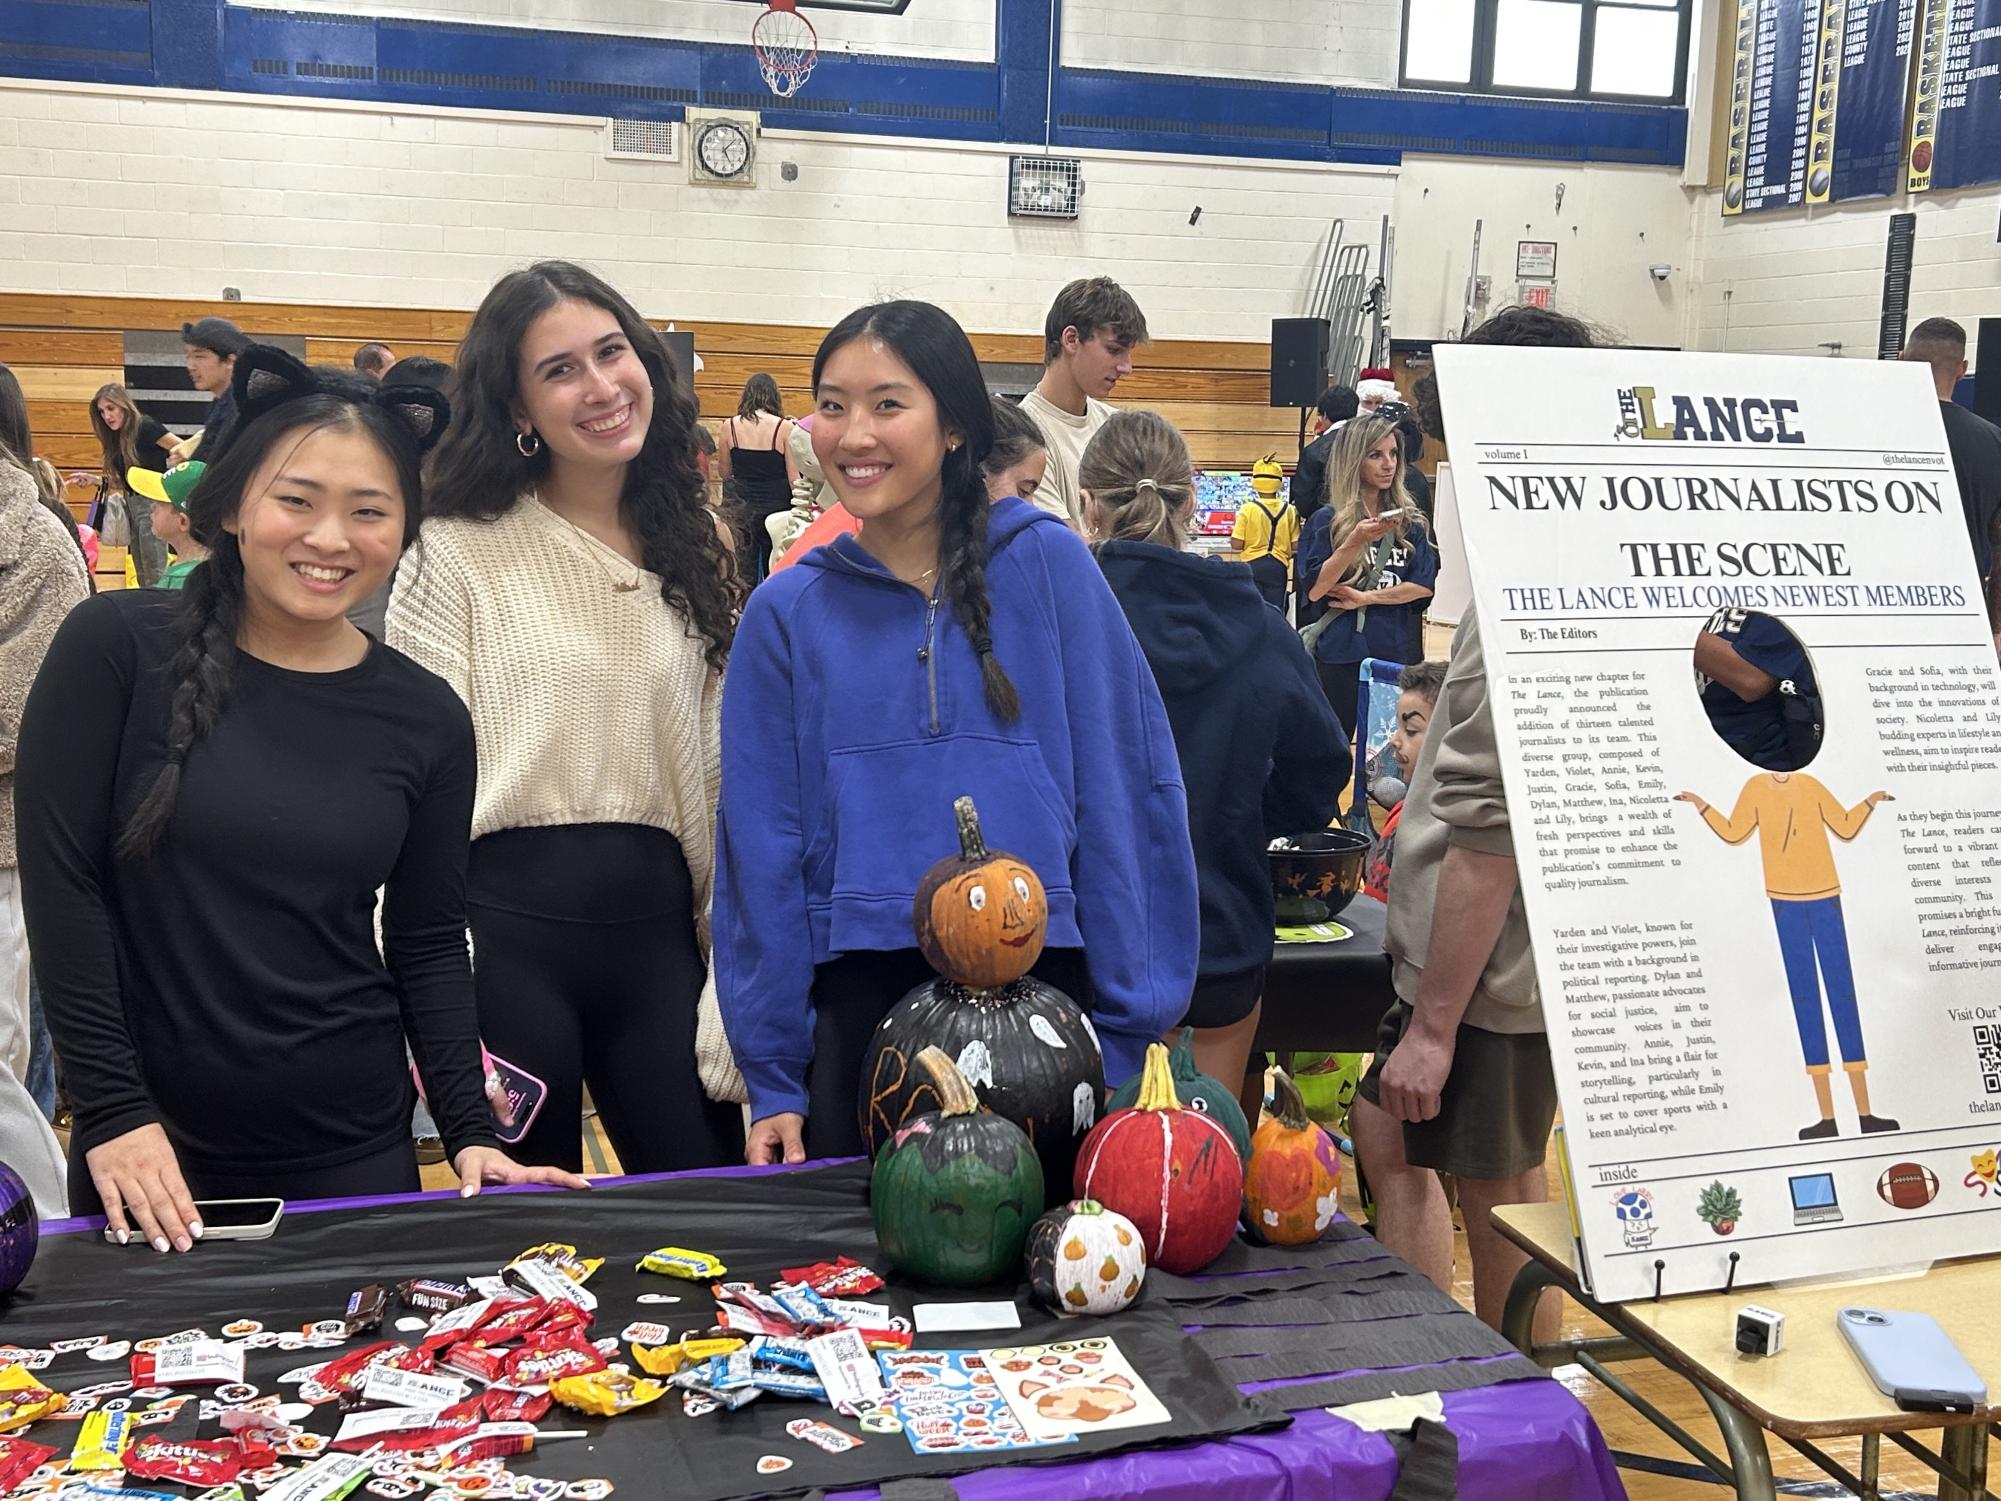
[938,1318]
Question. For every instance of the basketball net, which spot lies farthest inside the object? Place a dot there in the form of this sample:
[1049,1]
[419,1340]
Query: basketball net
[786,47]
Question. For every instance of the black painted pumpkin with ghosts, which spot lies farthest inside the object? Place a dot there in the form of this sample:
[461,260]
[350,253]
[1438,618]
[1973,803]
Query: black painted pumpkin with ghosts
[1026,1048]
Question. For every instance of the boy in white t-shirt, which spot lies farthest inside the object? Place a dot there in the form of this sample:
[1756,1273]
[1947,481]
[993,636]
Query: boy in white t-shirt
[1088,340]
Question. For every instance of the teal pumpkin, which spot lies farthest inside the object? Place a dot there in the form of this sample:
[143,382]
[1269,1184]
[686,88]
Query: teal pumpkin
[1196,1091]
[955,1191]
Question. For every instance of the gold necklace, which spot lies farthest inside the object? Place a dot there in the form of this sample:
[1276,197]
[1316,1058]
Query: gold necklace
[918,582]
[618,585]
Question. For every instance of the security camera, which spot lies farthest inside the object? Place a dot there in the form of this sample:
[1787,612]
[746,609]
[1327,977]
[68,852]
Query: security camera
[1659,272]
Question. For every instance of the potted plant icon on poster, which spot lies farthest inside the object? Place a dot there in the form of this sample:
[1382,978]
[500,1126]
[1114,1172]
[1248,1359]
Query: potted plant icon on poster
[1721,1207]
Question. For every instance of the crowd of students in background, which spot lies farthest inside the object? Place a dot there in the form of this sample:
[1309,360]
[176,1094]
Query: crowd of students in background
[477,650]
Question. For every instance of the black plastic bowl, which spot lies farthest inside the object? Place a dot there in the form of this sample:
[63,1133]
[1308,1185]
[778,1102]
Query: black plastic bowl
[1315,880]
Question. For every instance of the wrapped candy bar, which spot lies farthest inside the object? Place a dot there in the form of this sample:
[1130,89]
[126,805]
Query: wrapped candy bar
[665,1360]
[462,1322]
[345,1373]
[784,1383]
[192,1462]
[365,1309]
[673,1261]
[101,1441]
[839,1278]
[408,1429]
[605,1393]
[428,1295]
[806,1308]
[568,1354]
[515,1320]
[23,1399]
[503,1404]
[564,1258]
[481,1362]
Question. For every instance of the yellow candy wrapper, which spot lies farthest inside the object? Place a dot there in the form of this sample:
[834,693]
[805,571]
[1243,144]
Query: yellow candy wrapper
[665,1360]
[673,1261]
[564,1258]
[605,1393]
[24,1400]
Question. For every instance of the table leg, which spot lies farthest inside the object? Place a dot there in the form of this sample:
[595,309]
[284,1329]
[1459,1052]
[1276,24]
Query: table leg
[1744,1441]
[1518,1316]
[1964,1449]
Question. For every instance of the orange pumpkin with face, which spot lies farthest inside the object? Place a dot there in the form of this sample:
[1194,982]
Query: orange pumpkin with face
[981,915]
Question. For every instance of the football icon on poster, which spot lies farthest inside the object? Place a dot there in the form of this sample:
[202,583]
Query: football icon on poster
[1907,1185]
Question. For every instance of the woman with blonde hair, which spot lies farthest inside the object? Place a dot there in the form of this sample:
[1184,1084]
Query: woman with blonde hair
[1261,755]
[128,439]
[1370,556]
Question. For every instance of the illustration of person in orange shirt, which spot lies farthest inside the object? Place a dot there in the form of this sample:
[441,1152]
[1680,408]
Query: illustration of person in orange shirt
[1792,815]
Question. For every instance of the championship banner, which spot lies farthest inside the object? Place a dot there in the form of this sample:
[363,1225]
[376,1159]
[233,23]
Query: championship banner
[1749,718]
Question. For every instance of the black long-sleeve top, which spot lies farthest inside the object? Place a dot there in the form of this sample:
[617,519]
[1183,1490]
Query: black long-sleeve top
[228,985]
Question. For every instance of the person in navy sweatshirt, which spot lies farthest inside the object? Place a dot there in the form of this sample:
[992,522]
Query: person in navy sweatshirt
[949,649]
[1261,752]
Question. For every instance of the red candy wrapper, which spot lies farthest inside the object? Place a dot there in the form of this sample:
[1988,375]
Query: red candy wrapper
[458,1421]
[501,1404]
[19,1459]
[515,1320]
[839,1278]
[194,1462]
[542,1360]
[481,1362]
[345,1373]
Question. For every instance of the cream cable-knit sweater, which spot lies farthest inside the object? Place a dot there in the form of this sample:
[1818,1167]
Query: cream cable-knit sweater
[589,705]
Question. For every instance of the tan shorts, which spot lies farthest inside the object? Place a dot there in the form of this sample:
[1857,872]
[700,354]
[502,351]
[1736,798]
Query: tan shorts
[1495,1113]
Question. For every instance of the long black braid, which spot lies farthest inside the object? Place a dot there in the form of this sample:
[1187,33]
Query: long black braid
[929,340]
[211,610]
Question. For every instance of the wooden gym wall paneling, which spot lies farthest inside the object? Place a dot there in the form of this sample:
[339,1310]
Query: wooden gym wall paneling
[63,347]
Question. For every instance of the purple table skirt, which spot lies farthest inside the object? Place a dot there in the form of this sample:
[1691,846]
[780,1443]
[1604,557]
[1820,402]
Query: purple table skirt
[1521,1439]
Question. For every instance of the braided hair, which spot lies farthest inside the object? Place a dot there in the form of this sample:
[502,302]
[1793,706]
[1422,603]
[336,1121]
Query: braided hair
[211,602]
[929,340]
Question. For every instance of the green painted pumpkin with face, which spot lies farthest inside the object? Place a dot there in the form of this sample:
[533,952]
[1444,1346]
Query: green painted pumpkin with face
[955,1191]
[1196,1091]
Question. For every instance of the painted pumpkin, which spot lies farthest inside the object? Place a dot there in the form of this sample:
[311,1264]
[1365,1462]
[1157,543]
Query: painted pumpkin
[1197,1091]
[955,1191]
[1292,1186]
[1027,1049]
[1173,1172]
[981,915]
[1083,1258]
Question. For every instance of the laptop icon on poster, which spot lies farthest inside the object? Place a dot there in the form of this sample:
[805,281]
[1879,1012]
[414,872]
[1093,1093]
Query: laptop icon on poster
[1813,1199]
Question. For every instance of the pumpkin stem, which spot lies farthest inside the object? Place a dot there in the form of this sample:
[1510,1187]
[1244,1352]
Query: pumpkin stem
[1156,1082]
[972,844]
[955,1095]
[1287,1105]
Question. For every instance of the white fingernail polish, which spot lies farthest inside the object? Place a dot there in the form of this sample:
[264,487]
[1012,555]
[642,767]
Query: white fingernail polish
[194,1228]
[160,1243]
[124,1237]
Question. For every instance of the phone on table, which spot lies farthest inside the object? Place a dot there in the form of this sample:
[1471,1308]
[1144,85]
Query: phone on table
[1912,1360]
[234,1219]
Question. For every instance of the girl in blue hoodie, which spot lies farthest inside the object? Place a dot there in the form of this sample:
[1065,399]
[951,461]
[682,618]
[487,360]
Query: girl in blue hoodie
[1261,752]
[951,648]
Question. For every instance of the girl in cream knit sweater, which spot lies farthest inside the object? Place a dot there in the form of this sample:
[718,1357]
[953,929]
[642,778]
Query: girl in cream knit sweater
[576,592]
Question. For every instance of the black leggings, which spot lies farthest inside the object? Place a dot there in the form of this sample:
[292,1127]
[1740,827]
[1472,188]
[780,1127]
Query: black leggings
[851,996]
[393,1170]
[1271,577]
[587,970]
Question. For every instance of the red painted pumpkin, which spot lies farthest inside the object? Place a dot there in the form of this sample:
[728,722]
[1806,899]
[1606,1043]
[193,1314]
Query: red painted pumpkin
[1173,1172]
[981,915]
[1292,1186]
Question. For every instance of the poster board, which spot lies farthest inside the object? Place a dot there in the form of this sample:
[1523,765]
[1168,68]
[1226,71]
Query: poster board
[1606,523]
[1452,592]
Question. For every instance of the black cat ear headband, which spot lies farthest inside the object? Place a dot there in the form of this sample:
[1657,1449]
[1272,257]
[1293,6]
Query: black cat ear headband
[266,378]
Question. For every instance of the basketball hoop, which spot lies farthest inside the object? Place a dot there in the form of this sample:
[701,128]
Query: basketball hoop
[786,46]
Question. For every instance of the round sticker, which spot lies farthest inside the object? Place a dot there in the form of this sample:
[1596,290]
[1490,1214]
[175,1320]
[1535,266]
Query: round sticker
[235,1394]
[410,1325]
[658,1298]
[242,1328]
[588,1490]
[148,1346]
[154,1393]
[773,1464]
[265,1339]
[881,1422]
[291,1342]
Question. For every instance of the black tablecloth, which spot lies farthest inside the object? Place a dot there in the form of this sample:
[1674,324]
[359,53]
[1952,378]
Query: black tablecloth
[1329,996]
[758,1223]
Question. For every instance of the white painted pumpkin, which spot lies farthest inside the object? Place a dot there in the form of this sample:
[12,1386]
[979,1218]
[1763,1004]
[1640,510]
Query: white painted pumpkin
[1083,1258]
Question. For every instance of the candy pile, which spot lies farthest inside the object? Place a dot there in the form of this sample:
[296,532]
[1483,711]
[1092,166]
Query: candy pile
[439,1416]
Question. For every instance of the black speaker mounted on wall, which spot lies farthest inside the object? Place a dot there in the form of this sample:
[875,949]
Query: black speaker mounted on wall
[1299,355]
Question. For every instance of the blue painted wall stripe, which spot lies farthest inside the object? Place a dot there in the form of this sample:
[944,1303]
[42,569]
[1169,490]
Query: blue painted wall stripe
[207,44]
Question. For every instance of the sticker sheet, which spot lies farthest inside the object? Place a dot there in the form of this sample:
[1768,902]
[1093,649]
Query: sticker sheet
[1073,1387]
[950,1403]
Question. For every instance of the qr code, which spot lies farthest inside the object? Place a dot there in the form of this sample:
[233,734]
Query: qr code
[1987,1045]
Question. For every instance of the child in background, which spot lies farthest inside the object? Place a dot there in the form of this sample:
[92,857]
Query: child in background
[1417,696]
[169,494]
[1019,459]
[1267,532]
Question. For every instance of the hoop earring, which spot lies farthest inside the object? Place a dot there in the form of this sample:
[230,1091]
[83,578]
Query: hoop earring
[523,442]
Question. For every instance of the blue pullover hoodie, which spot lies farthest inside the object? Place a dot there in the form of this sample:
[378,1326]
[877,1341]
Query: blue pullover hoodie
[1261,753]
[853,715]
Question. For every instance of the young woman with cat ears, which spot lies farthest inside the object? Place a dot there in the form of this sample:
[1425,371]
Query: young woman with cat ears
[579,595]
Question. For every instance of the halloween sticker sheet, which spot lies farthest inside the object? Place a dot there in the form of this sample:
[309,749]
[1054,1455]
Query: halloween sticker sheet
[1073,1387]
[950,1403]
